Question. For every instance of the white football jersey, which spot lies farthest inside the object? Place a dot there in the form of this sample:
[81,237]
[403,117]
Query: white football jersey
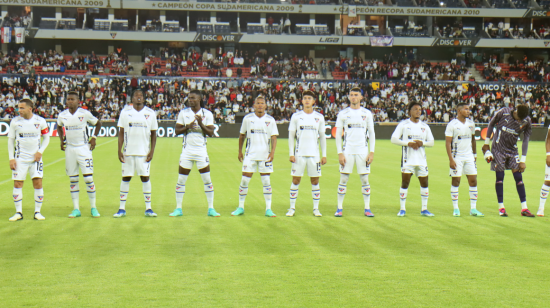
[258,133]
[76,126]
[462,133]
[138,127]
[194,139]
[27,134]
[308,129]
[357,125]
[409,131]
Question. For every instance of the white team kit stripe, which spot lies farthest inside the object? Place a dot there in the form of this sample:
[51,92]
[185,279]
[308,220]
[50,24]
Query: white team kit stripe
[58,160]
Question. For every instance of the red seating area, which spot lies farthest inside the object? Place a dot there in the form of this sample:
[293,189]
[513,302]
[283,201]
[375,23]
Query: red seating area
[39,69]
[505,67]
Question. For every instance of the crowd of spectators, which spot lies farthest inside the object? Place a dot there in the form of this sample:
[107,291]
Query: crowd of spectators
[535,70]
[17,20]
[234,97]
[229,63]
[32,63]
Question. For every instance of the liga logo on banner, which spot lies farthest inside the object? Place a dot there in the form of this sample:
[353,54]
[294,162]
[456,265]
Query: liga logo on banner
[19,35]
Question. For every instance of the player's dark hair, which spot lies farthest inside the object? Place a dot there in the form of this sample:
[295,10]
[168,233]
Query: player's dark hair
[412,104]
[27,102]
[259,97]
[460,105]
[135,91]
[309,93]
[523,111]
[196,92]
[72,93]
[356,89]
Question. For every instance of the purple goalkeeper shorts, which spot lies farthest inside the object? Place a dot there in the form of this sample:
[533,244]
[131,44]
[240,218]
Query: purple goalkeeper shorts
[505,161]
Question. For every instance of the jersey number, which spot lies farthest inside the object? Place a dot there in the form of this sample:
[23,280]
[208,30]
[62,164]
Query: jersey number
[89,163]
[39,166]
[318,167]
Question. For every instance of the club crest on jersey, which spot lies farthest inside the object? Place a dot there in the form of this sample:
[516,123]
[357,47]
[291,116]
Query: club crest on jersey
[244,167]
[146,117]
[423,129]
[37,126]
[81,118]
[364,118]
[15,174]
[266,123]
[316,120]
[454,171]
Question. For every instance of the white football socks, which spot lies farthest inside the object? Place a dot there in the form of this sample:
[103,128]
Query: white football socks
[403,198]
[38,199]
[74,191]
[424,194]
[342,189]
[18,199]
[208,189]
[454,196]
[243,190]
[365,189]
[293,195]
[543,195]
[147,194]
[124,189]
[90,189]
[180,189]
[266,182]
[473,197]
[316,194]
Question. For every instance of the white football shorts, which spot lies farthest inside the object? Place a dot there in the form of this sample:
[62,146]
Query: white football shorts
[418,171]
[360,160]
[547,173]
[467,167]
[78,156]
[261,166]
[135,165]
[187,159]
[22,167]
[312,163]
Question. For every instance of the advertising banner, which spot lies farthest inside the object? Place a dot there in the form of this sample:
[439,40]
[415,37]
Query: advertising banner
[381,41]
[19,35]
[6,35]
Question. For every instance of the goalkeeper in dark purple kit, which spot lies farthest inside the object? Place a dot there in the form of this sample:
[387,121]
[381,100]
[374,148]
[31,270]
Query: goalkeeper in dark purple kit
[509,124]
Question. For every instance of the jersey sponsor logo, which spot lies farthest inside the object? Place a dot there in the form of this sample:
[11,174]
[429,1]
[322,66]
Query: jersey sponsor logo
[137,124]
[463,137]
[81,118]
[258,131]
[28,135]
[414,137]
[352,125]
[509,130]
[308,127]
[73,127]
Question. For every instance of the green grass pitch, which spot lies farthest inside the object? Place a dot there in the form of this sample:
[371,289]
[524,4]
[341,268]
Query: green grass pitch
[255,261]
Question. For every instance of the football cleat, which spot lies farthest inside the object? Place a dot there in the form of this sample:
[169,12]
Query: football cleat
[401,213]
[338,213]
[212,212]
[74,213]
[540,213]
[368,213]
[238,211]
[120,213]
[426,213]
[475,212]
[176,213]
[317,213]
[456,212]
[290,212]
[95,213]
[38,216]
[502,212]
[269,213]
[526,213]
[16,217]
[150,213]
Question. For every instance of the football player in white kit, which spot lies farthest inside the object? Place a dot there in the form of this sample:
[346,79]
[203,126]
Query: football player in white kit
[195,123]
[72,128]
[357,124]
[308,127]
[461,149]
[546,185]
[137,138]
[260,130]
[25,152]
[413,135]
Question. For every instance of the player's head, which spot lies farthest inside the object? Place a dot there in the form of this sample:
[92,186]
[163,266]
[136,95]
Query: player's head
[259,104]
[463,109]
[415,110]
[308,99]
[137,97]
[355,96]
[25,108]
[72,100]
[195,99]
[523,111]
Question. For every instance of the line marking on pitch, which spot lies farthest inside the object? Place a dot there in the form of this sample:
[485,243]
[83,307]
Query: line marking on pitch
[58,160]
